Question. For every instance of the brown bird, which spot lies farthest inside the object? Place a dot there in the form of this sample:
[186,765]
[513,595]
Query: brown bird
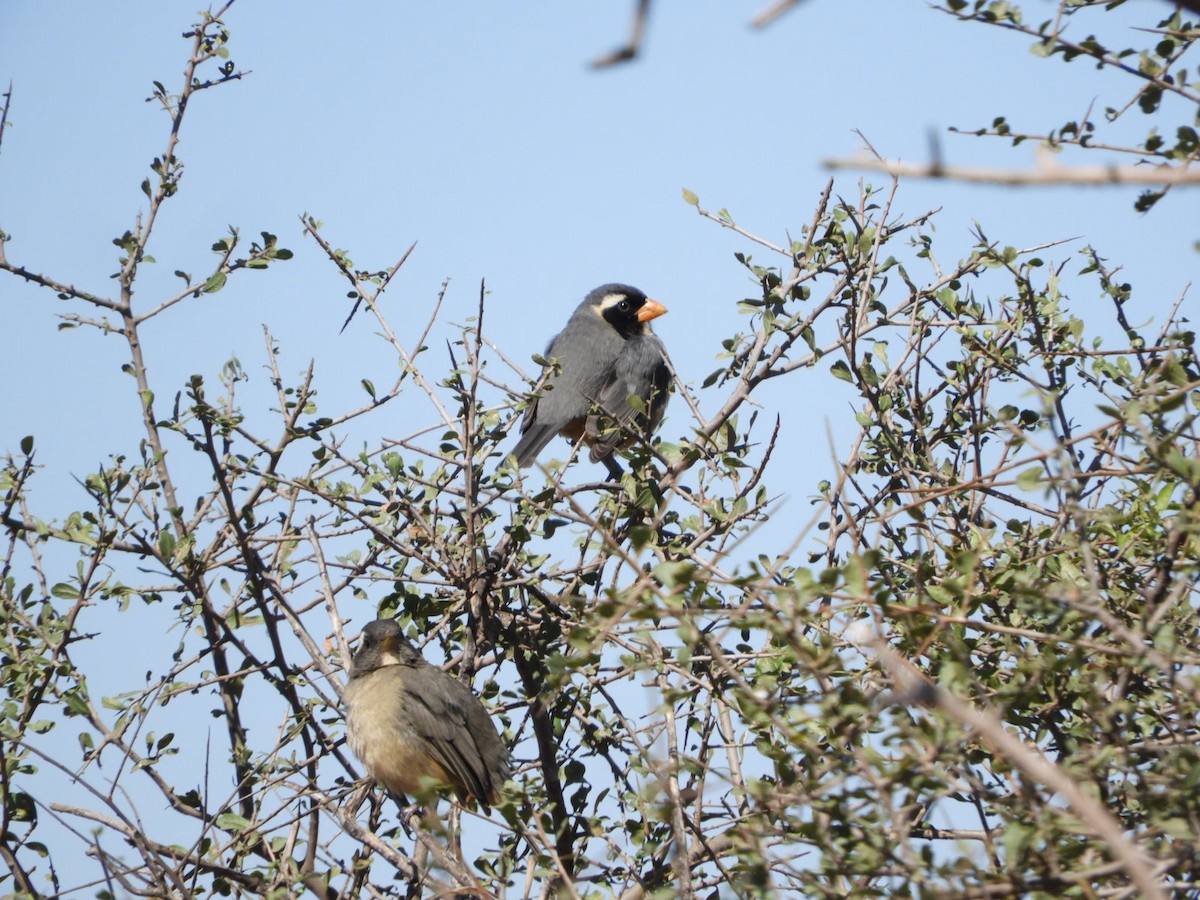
[408,720]
[605,355]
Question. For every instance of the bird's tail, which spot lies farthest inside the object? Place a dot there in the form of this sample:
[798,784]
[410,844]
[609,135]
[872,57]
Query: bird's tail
[532,443]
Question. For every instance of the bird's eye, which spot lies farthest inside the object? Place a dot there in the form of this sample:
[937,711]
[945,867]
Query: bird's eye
[623,306]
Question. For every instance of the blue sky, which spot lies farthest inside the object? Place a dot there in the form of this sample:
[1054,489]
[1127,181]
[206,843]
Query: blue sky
[479,131]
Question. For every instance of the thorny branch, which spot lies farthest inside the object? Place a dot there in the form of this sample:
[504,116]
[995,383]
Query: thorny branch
[685,702]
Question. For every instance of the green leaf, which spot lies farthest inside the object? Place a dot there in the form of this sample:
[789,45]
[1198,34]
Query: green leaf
[1029,479]
[64,591]
[214,284]
[673,574]
[27,444]
[232,822]
[1043,48]
[840,370]
[856,576]
[690,198]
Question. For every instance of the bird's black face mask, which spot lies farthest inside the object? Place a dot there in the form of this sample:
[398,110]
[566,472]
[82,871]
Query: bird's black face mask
[626,314]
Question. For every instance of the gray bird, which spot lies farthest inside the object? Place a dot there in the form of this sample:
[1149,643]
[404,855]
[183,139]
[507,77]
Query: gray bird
[605,355]
[408,720]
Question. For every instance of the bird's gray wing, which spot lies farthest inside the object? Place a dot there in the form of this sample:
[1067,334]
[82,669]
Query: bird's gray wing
[641,371]
[443,715]
[584,351]
[536,432]
[488,742]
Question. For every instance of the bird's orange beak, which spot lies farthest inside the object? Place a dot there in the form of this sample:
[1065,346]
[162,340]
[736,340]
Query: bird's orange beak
[651,309]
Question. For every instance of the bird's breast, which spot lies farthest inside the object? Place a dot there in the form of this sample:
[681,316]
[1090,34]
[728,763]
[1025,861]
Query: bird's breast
[380,735]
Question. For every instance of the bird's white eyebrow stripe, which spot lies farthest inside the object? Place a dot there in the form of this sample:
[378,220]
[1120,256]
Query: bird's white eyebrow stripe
[611,300]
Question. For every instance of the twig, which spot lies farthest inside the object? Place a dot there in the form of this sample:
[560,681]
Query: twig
[1045,172]
[769,14]
[4,113]
[630,50]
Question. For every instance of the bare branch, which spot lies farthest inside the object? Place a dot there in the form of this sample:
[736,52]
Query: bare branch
[630,50]
[771,12]
[1046,172]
